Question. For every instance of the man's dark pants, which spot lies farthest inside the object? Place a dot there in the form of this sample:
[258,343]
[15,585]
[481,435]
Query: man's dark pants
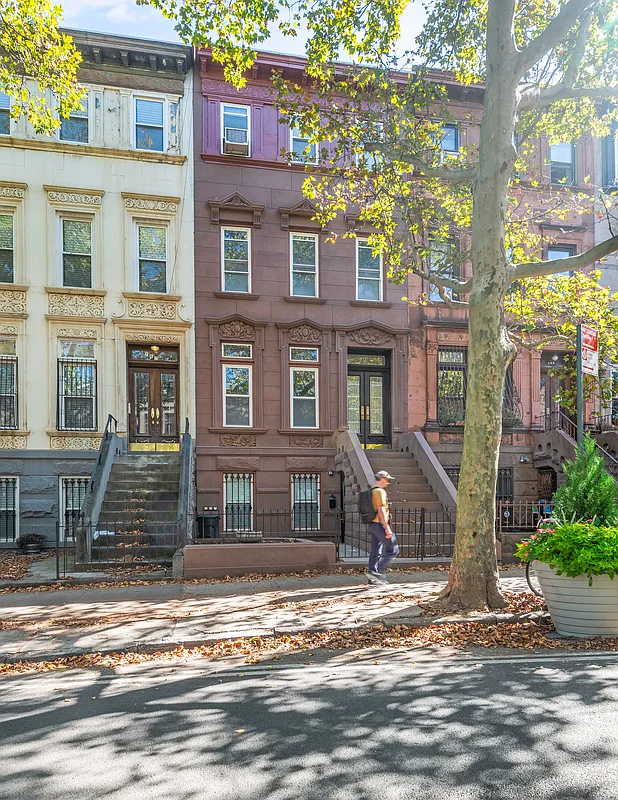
[383,550]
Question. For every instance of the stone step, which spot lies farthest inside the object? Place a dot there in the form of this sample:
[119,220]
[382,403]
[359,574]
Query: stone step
[148,476]
[139,495]
[107,518]
[147,459]
[388,455]
[140,483]
[125,507]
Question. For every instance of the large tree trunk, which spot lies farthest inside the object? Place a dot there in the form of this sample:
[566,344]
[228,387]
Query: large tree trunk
[473,579]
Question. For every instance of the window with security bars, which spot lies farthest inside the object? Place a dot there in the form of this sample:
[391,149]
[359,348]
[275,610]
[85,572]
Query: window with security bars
[72,496]
[149,126]
[8,510]
[305,502]
[452,384]
[8,385]
[504,484]
[5,114]
[238,501]
[152,255]
[77,253]
[74,128]
[7,248]
[77,387]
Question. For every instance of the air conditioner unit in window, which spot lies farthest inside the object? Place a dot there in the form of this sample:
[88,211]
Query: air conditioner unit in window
[236,141]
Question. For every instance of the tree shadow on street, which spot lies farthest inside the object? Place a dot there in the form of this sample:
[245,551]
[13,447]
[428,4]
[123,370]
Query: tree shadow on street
[368,726]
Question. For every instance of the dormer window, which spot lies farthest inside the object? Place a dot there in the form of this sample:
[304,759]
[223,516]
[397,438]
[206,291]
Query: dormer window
[235,126]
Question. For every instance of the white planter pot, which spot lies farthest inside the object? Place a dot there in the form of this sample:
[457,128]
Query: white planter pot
[576,608]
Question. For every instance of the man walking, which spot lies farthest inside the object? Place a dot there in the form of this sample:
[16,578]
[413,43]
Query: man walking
[383,542]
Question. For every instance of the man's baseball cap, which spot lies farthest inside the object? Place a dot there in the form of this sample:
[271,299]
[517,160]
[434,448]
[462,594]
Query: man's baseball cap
[384,474]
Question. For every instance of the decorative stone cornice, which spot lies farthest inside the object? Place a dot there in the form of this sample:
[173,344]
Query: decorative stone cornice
[305,334]
[82,197]
[306,441]
[302,209]
[80,442]
[13,190]
[235,202]
[238,440]
[75,305]
[16,440]
[79,333]
[144,202]
[152,309]
[236,329]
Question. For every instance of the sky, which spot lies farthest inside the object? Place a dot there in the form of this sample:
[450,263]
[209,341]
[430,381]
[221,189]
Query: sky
[126,18]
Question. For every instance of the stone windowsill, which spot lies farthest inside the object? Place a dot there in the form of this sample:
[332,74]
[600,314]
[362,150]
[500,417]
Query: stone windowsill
[156,296]
[75,290]
[85,434]
[14,287]
[316,301]
[370,304]
[304,432]
[237,295]
[238,430]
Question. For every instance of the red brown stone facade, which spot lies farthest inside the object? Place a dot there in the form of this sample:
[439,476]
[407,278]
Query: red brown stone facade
[297,336]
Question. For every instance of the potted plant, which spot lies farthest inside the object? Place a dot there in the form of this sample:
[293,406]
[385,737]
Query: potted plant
[575,555]
[31,543]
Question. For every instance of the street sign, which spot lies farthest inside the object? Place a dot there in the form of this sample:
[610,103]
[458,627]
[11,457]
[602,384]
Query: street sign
[589,351]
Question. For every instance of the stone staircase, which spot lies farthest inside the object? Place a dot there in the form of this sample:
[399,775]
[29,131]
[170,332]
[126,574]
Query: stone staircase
[138,521]
[411,488]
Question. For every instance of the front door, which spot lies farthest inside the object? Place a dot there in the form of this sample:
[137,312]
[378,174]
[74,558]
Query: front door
[369,398]
[153,397]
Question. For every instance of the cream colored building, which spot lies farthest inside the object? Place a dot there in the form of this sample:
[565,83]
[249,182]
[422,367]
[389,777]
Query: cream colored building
[96,271]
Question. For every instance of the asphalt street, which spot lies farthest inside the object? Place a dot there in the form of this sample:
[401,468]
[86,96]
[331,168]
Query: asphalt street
[351,726]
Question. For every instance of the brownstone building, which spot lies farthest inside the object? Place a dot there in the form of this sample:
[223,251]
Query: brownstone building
[299,338]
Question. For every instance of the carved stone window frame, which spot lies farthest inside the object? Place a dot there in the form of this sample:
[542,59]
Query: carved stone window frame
[235,329]
[75,331]
[144,209]
[15,329]
[82,204]
[305,333]
[12,197]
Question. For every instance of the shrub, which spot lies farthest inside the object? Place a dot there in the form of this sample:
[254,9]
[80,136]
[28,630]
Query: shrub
[572,549]
[588,491]
[31,538]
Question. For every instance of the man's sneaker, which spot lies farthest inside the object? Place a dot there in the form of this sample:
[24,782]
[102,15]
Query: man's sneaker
[375,578]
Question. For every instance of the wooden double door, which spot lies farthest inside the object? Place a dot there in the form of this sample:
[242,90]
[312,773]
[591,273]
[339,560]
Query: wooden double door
[153,397]
[369,397]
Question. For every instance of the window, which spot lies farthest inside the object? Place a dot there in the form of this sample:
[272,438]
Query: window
[8,385]
[236,130]
[305,502]
[304,265]
[443,259]
[304,354]
[237,350]
[237,401]
[368,272]
[452,384]
[152,258]
[304,395]
[238,502]
[5,114]
[562,164]
[302,150]
[72,496]
[149,128]
[236,253]
[7,254]
[77,386]
[557,251]
[609,162]
[76,253]
[504,485]
[8,509]
[449,142]
[74,128]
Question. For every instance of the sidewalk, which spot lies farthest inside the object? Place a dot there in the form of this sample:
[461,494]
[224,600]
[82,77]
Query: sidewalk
[43,626]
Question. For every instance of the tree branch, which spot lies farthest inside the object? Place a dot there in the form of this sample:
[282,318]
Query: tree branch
[536,269]
[534,345]
[535,97]
[455,175]
[557,30]
[441,281]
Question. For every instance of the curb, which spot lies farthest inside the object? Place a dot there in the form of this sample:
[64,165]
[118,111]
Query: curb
[270,633]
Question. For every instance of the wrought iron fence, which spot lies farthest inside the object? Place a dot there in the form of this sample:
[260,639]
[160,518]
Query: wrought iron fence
[126,547]
[521,517]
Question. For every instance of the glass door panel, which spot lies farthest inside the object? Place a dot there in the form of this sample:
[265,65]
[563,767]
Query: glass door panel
[354,402]
[168,405]
[369,402]
[376,405]
[141,389]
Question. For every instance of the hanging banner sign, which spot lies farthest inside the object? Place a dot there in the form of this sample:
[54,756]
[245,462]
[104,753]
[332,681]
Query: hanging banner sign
[590,351]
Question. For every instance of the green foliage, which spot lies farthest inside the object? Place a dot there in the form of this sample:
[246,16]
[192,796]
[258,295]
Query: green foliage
[588,491]
[573,549]
[32,47]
